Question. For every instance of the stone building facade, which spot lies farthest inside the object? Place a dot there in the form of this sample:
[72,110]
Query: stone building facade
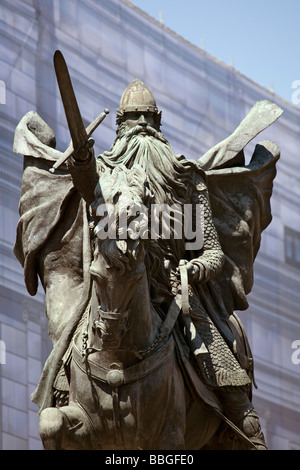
[106,45]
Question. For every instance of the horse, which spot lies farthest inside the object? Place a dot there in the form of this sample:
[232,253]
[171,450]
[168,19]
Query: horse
[127,386]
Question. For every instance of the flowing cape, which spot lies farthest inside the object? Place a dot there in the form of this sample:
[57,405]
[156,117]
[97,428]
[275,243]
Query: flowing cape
[240,202]
[52,243]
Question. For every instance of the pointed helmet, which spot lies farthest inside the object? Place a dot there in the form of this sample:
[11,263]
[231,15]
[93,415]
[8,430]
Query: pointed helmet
[137,97]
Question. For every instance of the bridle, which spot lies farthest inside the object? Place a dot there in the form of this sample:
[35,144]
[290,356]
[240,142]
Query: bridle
[180,303]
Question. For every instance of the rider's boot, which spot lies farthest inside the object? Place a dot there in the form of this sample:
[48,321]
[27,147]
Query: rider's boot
[239,409]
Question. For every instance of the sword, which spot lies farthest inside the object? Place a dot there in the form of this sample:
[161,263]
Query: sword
[79,134]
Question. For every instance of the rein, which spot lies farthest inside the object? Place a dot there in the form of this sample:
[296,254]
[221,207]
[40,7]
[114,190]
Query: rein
[179,303]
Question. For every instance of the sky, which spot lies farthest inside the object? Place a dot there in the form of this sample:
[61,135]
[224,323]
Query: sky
[259,38]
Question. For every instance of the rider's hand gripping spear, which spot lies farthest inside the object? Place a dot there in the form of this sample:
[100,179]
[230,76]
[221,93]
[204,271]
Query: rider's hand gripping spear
[79,135]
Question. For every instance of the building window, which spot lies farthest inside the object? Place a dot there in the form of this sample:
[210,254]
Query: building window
[292,247]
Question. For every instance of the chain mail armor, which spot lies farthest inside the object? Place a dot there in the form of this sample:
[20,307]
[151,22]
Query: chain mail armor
[212,256]
[212,357]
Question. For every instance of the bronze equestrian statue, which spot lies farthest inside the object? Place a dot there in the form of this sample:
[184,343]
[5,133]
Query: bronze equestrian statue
[144,257]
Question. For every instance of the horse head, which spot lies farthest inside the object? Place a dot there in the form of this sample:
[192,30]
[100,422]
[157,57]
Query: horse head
[122,198]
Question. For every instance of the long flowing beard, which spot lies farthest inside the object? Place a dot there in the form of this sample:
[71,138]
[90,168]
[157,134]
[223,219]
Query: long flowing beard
[155,155]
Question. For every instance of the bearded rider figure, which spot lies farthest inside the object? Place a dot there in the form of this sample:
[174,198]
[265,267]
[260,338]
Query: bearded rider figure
[217,281]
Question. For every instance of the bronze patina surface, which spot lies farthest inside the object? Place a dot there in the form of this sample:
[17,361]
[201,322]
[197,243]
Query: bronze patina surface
[144,256]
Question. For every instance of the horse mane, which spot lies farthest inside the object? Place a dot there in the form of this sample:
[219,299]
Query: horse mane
[159,283]
[118,254]
[121,254]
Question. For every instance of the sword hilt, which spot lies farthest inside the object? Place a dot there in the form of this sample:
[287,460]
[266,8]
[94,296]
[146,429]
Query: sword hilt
[70,150]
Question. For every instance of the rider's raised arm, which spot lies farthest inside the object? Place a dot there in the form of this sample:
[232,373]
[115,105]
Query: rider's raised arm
[84,175]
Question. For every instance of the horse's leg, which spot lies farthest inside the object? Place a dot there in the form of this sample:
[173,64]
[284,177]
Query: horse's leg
[65,428]
[52,428]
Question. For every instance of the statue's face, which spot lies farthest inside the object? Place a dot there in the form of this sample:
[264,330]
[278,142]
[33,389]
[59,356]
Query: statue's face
[134,118]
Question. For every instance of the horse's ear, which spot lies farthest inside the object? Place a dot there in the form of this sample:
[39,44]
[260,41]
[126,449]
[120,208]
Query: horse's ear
[122,246]
[148,192]
[137,171]
[135,248]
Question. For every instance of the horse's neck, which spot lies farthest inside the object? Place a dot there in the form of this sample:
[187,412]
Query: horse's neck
[143,319]
[142,327]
